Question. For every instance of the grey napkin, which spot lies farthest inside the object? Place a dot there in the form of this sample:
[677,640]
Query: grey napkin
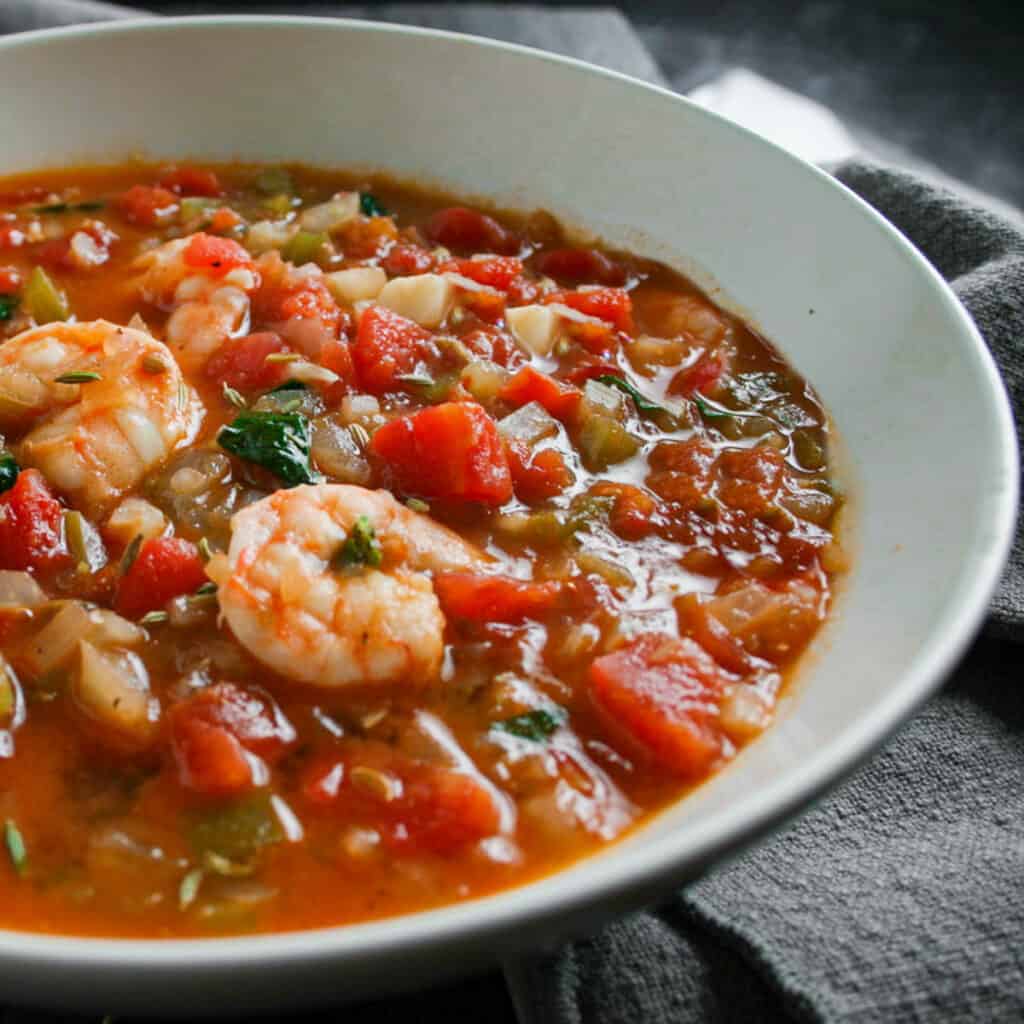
[896,899]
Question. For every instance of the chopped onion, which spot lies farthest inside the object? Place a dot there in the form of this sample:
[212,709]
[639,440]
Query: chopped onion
[265,235]
[530,423]
[112,688]
[332,214]
[484,379]
[744,712]
[337,454]
[53,646]
[607,400]
[20,590]
[135,517]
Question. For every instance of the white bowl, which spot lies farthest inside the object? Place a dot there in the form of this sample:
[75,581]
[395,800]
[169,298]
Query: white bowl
[896,359]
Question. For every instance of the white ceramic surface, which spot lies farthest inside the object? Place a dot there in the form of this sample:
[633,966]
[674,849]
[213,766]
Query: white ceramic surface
[895,358]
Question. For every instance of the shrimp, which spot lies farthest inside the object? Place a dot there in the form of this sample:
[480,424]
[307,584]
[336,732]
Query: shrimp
[208,303]
[125,409]
[317,624]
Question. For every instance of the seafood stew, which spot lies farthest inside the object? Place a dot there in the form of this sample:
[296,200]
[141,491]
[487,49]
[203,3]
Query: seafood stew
[362,552]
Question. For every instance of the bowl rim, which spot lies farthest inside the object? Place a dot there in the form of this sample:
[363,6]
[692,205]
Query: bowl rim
[625,881]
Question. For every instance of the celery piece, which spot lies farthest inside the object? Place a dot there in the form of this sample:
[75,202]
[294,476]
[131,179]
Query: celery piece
[43,299]
[273,180]
[604,442]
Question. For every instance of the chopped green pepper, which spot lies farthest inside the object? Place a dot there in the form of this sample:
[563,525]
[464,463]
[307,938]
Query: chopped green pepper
[43,299]
[644,405]
[237,831]
[277,441]
[604,442]
[8,304]
[708,411]
[305,247]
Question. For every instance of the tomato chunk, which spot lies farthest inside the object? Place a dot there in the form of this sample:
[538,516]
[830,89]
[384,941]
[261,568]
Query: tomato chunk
[218,255]
[30,524]
[414,806]
[663,693]
[494,271]
[147,206]
[459,227]
[214,733]
[10,280]
[242,362]
[701,377]
[537,476]
[388,346]
[580,266]
[449,451]
[191,181]
[165,567]
[529,385]
[612,305]
[479,598]
[404,259]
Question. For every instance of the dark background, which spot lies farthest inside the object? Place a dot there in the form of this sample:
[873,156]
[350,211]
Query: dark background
[942,80]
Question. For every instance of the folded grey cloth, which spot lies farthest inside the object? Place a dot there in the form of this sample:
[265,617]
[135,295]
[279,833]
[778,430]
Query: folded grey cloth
[896,899]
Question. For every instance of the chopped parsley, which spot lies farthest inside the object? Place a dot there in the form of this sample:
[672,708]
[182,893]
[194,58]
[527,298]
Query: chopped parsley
[91,206]
[8,304]
[288,385]
[370,206]
[360,548]
[644,405]
[708,411]
[536,725]
[9,470]
[15,846]
[277,441]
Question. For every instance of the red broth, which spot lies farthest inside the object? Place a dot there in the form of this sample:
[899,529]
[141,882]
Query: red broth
[363,552]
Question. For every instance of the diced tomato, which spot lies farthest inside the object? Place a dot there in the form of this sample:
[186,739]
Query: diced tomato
[388,346]
[10,280]
[459,227]
[580,266]
[448,451]
[522,291]
[632,514]
[663,693]
[364,238]
[430,808]
[31,535]
[701,377]
[404,259]
[590,369]
[529,385]
[307,298]
[475,598]
[682,472]
[494,271]
[218,255]
[223,220]
[12,236]
[751,478]
[165,567]
[494,344]
[487,306]
[536,476]
[242,362]
[191,181]
[612,305]
[146,205]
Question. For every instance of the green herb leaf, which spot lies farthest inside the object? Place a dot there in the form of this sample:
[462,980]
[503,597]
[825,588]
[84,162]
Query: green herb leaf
[189,888]
[8,304]
[536,725]
[15,846]
[87,207]
[206,588]
[153,618]
[277,441]
[370,206]
[205,551]
[709,412]
[644,405]
[288,385]
[9,470]
[417,505]
[78,377]
[361,547]
[226,867]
